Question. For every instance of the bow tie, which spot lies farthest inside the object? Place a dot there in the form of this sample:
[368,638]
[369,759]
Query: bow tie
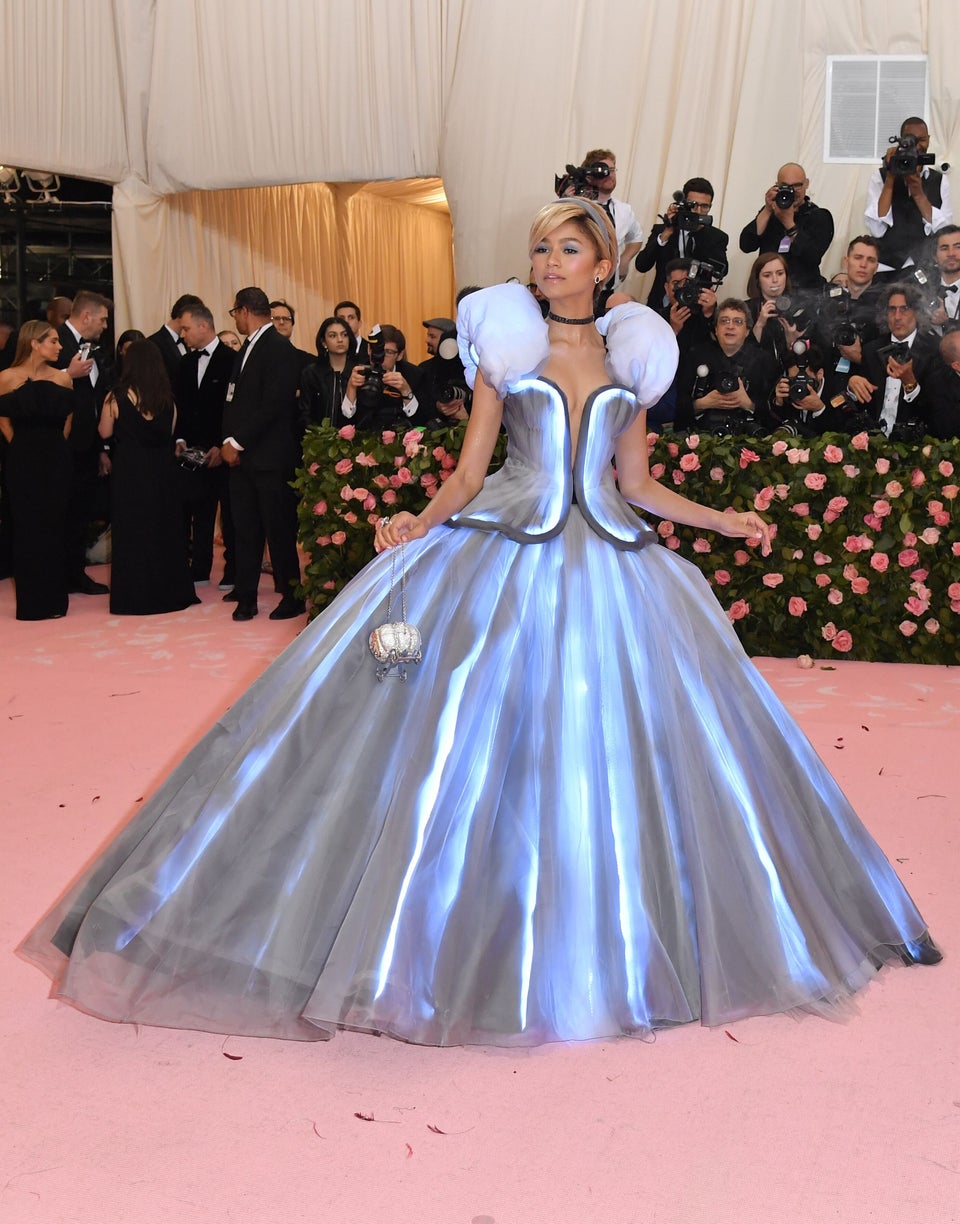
[950,288]
[204,353]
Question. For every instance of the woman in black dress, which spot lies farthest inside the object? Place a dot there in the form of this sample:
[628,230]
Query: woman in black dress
[36,407]
[323,384]
[151,572]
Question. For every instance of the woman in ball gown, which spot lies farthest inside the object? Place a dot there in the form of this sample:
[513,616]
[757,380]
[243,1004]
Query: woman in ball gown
[514,846]
[36,406]
[150,569]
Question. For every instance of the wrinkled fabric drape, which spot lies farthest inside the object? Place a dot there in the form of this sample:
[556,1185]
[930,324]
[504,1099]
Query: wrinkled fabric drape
[491,95]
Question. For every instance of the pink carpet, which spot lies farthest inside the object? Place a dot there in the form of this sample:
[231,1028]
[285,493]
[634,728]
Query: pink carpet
[770,1121]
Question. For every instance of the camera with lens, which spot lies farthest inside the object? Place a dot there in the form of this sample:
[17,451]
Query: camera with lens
[786,195]
[728,382]
[703,274]
[907,159]
[933,295]
[836,312]
[371,389]
[899,351]
[193,458]
[685,218]
[799,385]
[794,311]
[911,433]
[578,181]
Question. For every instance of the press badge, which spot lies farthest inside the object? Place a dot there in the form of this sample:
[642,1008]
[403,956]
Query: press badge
[230,389]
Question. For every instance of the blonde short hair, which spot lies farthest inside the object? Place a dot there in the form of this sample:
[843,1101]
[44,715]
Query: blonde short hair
[587,216]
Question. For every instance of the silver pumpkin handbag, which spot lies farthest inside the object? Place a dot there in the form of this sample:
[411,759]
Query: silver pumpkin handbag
[396,643]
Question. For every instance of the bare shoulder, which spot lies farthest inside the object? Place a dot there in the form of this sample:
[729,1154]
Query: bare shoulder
[10,380]
[62,379]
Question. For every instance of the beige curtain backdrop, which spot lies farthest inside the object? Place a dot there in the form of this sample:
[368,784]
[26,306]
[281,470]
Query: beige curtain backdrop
[181,103]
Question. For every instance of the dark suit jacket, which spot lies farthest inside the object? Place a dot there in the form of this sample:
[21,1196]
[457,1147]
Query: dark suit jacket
[169,351]
[925,354]
[87,398]
[705,243]
[262,415]
[942,395]
[200,409]
[814,234]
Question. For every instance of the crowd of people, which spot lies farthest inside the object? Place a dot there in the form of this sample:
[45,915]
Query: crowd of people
[193,425]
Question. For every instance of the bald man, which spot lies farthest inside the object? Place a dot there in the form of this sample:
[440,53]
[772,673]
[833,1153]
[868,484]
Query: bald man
[793,225]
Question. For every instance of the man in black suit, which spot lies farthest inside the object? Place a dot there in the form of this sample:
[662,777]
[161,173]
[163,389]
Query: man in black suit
[200,389]
[790,223]
[943,390]
[168,339]
[896,365]
[690,239]
[83,360]
[262,447]
[284,319]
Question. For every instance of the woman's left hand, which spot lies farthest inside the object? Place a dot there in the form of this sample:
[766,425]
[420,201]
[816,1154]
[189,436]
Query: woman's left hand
[747,526]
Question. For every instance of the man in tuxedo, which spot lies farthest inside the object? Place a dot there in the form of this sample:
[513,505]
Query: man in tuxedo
[947,258]
[349,312]
[691,239]
[83,360]
[168,339]
[200,389]
[284,319]
[896,365]
[262,447]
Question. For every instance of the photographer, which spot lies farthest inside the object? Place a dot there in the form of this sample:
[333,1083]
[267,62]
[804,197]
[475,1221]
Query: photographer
[690,305]
[383,392]
[799,403]
[896,364]
[686,232]
[444,394]
[629,233]
[792,225]
[947,258]
[907,200]
[726,383]
[847,315]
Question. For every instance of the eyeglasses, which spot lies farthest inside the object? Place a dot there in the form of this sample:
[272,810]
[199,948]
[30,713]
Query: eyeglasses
[727,321]
[281,319]
[899,310]
[391,352]
[234,310]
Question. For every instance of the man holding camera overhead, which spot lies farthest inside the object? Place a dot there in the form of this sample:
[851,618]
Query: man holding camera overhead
[907,200]
[793,226]
[687,232]
[600,166]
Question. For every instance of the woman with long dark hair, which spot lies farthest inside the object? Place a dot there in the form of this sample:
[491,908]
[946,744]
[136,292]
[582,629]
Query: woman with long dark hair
[151,571]
[768,290]
[36,407]
[324,383]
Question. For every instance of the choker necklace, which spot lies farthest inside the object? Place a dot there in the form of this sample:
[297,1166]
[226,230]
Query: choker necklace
[573,322]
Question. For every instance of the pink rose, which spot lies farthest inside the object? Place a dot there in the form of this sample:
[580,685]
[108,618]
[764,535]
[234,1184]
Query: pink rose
[406,476]
[329,585]
[837,505]
[907,557]
[673,542]
[323,540]
[860,586]
[907,628]
[850,572]
[894,488]
[930,535]
[881,508]
[657,471]
[883,466]
[693,441]
[814,480]
[399,460]
[850,470]
[350,517]
[373,519]
[860,441]
[934,507]
[796,605]
[343,466]
[942,519]
[746,458]
[412,449]
[955,548]
[873,522]
[438,453]
[772,580]
[361,494]
[387,437]
[741,557]
[779,447]
[338,538]
[320,508]
[346,493]
[945,467]
[369,502]
[797,554]
[917,478]
[347,431]
[953,591]
[782,491]
[738,610]
[853,544]
[763,499]
[832,454]
[801,508]
[879,562]
[834,596]
[950,491]
[722,577]
[843,641]
[412,435]
[428,480]
[829,631]
[689,463]
[390,497]
[915,606]
[823,580]
[955,605]
[814,531]
[381,481]
[678,476]
[932,625]
[820,558]
[673,450]
[448,463]
[716,474]
[830,516]
[313,469]
[666,528]
[700,545]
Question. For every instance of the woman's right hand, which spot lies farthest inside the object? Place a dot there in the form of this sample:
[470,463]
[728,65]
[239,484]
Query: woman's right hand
[398,529]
